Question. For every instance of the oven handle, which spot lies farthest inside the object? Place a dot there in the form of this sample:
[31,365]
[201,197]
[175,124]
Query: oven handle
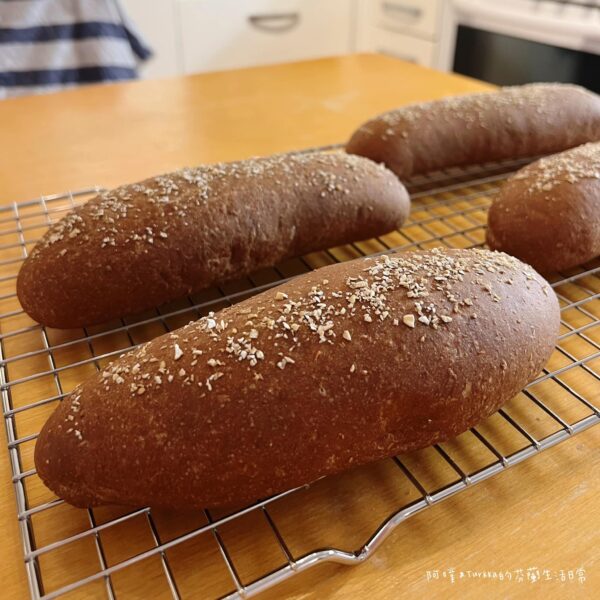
[522,19]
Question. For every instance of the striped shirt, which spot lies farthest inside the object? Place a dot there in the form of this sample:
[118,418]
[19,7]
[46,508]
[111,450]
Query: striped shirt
[52,44]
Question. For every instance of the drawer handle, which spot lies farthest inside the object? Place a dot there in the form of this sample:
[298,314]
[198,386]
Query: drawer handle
[275,23]
[402,11]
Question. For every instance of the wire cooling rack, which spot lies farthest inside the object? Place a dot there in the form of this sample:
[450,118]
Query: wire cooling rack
[114,552]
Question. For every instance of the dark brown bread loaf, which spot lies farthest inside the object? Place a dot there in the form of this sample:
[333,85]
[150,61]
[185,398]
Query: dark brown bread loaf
[144,244]
[548,213]
[513,122]
[339,367]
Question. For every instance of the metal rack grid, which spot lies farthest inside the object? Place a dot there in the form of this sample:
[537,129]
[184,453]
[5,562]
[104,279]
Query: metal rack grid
[67,548]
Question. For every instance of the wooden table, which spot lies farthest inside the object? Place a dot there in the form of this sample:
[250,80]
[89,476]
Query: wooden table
[542,513]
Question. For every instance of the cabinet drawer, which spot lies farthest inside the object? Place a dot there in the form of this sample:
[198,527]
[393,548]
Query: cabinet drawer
[416,17]
[415,50]
[227,34]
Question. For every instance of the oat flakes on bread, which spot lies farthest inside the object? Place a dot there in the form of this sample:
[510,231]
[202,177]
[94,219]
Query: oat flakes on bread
[144,244]
[342,366]
[548,213]
[510,123]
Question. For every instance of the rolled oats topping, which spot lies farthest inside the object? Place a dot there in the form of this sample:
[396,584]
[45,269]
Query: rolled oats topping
[418,291]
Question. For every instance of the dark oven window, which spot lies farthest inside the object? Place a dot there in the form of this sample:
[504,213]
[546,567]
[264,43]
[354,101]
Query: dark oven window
[506,60]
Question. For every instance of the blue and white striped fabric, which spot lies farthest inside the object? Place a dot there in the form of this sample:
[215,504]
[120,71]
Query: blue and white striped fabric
[51,44]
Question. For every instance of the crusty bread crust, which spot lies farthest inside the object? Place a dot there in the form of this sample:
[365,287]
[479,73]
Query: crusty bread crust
[513,122]
[144,244]
[548,213]
[341,366]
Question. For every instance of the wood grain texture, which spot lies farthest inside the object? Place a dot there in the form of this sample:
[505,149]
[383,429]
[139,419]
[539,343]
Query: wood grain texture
[542,513]
[112,134]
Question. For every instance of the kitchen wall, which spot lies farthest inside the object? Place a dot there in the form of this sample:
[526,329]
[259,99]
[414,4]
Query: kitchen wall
[192,36]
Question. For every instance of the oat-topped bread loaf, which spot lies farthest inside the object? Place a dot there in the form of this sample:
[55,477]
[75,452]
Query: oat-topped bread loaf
[342,366]
[513,122]
[548,213]
[144,244]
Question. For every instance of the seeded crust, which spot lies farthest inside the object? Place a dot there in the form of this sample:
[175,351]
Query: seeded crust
[514,122]
[144,244]
[548,213]
[339,367]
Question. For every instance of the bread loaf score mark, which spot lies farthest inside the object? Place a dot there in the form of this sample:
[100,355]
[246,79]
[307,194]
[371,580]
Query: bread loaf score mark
[338,367]
[143,244]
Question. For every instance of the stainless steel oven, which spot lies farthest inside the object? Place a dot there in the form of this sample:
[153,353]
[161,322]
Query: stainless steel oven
[510,42]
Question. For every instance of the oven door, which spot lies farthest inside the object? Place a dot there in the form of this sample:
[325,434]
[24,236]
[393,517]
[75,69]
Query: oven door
[520,41]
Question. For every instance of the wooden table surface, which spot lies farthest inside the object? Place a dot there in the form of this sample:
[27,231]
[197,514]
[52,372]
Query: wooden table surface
[542,513]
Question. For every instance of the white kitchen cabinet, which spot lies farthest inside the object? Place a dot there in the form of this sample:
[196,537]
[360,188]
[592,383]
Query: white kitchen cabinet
[227,34]
[419,18]
[406,29]
[191,36]
[406,47]
[157,23]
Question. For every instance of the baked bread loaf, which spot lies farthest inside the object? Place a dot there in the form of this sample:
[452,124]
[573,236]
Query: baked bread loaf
[513,122]
[147,243]
[345,365]
[548,213]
